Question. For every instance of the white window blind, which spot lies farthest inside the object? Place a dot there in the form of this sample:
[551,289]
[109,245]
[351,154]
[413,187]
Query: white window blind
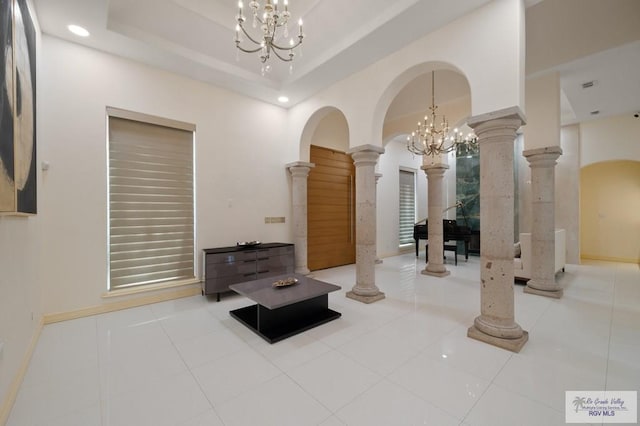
[151,214]
[407,206]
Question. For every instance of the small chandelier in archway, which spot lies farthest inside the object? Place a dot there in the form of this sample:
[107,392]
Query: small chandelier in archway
[273,34]
[434,139]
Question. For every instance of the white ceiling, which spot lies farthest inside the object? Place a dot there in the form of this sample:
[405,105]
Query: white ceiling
[195,38]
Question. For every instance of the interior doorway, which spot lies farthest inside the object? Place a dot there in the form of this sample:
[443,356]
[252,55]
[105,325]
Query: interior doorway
[331,209]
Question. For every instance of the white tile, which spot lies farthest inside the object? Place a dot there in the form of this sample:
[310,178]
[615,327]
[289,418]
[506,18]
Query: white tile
[121,371]
[278,402]
[382,350]
[63,349]
[334,379]
[121,341]
[126,318]
[184,304]
[546,380]
[332,421]
[389,404]
[87,416]
[623,369]
[56,398]
[350,325]
[189,324]
[625,325]
[229,376]
[209,347]
[447,388]
[513,410]
[163,401]
[465,354]
[426,324]
[178,362]
[292,352]
[208,418]
[561,349]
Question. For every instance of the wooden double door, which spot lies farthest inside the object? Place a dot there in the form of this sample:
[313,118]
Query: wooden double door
[331,209]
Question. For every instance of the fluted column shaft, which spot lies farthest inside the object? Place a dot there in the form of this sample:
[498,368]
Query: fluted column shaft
[299,174]
[496,324]
[542,162]
[435,265]
[365,158]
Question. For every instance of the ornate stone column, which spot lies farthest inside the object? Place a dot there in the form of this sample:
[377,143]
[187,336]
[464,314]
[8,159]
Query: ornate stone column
[435,265]
[378,176]
[496,324]
[543,275]
[299,173]
[365,158]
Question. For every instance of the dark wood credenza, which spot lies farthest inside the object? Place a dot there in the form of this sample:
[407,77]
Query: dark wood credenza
[224,266]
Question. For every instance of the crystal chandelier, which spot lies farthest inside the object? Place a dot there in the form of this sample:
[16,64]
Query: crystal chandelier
[274,29]
[432,139]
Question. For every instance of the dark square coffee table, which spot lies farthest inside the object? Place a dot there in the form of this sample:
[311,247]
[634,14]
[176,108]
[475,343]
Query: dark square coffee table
[282,312]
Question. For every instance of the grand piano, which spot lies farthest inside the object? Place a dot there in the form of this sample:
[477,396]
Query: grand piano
[452,232]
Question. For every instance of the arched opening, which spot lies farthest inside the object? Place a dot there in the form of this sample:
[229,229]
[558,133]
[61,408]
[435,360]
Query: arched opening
[609,205]
[330,191]
[409,105]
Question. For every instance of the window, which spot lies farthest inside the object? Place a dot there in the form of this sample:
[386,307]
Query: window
[407,206]
[151,200]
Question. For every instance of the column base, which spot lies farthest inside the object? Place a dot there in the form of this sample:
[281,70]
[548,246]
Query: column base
[365,299]
[556,294]
[435,274]
[513,345]
[303,271]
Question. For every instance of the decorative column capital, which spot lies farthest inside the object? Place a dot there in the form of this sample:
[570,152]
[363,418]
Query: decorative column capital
[364,155]
[435,169]
[300,168]
[495,125]
[513,112]
[543,157]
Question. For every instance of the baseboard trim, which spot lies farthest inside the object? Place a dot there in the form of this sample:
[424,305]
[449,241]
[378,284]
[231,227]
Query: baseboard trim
[150,288]
[123,304]
[610,259]
[12,393]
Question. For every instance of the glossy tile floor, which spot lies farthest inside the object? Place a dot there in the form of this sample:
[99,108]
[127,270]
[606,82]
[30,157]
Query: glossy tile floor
[405,360]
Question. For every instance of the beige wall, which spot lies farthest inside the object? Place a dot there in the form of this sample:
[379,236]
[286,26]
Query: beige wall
[332,132]
[609,205]
[610,138]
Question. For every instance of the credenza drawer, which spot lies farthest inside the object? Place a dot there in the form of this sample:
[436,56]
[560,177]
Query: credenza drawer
[218,270]
[239,256]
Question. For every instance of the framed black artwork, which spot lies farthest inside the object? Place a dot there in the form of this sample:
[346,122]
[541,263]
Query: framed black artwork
[17,108]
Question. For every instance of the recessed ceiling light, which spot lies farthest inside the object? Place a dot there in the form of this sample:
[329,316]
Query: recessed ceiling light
[78,30]
[283,99]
